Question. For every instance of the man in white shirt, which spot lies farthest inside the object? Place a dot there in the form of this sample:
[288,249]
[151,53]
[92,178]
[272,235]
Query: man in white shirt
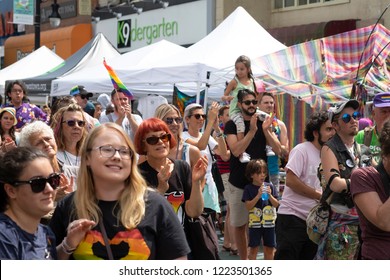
[302,191]
[122,114]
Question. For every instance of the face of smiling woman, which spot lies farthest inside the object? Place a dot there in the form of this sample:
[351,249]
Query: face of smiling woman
[109,170]
[160,149]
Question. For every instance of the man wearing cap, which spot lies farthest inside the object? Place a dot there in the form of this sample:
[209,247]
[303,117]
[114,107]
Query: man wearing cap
[81,96]
[122,114]
[380,114]
[339,157]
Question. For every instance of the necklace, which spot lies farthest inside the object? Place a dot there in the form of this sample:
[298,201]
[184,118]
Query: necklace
[67,159]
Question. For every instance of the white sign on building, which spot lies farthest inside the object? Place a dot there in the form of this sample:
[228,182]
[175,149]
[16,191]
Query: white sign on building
[181,24]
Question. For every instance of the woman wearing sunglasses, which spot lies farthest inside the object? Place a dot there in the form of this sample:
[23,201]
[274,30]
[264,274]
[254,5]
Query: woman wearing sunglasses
[172,117]
[39,135]
[112,212]
[8,134]
[70,132]
[173,178]
[27,190]
[195,117]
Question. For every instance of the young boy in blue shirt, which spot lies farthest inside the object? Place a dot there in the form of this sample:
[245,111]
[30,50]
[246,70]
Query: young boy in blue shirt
[261,200]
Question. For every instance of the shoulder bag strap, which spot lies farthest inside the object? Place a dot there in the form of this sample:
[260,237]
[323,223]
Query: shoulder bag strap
[106,242]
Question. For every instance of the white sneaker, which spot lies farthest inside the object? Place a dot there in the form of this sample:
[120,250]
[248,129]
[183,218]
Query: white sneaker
[244,157]
[269,151]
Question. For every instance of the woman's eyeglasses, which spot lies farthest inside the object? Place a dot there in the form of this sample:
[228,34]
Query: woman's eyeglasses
[108,151]
[347,117]
[197,116]
[153,140]
[248,102]
[72,123]
[39,184]
[169,121]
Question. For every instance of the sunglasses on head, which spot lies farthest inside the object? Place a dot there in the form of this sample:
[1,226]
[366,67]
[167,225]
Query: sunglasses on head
[347,117]
[39,184]
[72,123]
[197,116]
[248,102]
[153,140]
[170,120]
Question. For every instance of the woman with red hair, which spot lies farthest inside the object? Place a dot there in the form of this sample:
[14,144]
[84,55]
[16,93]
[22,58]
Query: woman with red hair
[173,178]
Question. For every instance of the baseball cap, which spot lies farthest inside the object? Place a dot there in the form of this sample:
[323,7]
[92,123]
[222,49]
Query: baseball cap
[382,99]
[189,107]
[80,90]
[10,110]
[337,108]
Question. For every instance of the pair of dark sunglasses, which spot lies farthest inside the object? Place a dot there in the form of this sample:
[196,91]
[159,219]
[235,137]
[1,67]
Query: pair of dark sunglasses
[84,97]
[347,117]
[72,123]
[170,120]
[248,102]
[39,184]
[197,116]
[153,140]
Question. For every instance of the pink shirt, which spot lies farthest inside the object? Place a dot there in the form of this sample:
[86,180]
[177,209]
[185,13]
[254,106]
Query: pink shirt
[303,161]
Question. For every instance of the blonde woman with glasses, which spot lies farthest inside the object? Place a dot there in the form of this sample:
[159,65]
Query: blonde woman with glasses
[113,212]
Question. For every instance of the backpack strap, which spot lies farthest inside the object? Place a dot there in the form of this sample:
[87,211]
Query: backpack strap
[368,131]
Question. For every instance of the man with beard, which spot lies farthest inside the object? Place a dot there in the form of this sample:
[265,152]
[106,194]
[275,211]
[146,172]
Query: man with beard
[302,191]
[122,114]
[257,134]
[339,157]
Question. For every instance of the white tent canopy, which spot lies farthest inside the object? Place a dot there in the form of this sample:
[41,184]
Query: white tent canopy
[96,78]
[238,34]
[36,63]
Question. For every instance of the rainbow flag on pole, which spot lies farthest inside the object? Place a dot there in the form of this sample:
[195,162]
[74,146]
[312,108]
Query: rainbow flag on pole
[117,83]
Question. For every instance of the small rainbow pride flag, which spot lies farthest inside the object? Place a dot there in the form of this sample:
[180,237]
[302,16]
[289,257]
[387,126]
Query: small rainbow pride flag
[117,83]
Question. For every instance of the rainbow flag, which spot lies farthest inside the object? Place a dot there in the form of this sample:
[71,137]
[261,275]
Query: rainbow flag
[117,83]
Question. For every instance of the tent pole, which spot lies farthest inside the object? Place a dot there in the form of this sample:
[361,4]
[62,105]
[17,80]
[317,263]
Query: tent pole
[198,92]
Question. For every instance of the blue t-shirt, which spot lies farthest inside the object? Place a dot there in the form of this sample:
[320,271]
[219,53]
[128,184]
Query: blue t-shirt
[263,214]
[17,244]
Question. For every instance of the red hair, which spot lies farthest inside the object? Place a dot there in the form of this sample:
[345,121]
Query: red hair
[151,125]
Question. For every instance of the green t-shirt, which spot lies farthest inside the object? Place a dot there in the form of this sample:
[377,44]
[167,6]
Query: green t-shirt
[233,109]
[375,146]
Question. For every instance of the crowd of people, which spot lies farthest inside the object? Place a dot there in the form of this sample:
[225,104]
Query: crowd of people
[93,180]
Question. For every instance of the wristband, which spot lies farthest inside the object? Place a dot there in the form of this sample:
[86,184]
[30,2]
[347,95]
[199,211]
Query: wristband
[66,248]
[218,134]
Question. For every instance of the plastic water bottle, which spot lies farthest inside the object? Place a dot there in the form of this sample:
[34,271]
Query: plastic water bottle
[264,194]
[262,115]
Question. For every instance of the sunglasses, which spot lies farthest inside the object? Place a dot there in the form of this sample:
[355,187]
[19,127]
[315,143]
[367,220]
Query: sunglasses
[72,123]
[153,140]
[248,102]
[39,184]
[347,117]
[197,116]
[170,120]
